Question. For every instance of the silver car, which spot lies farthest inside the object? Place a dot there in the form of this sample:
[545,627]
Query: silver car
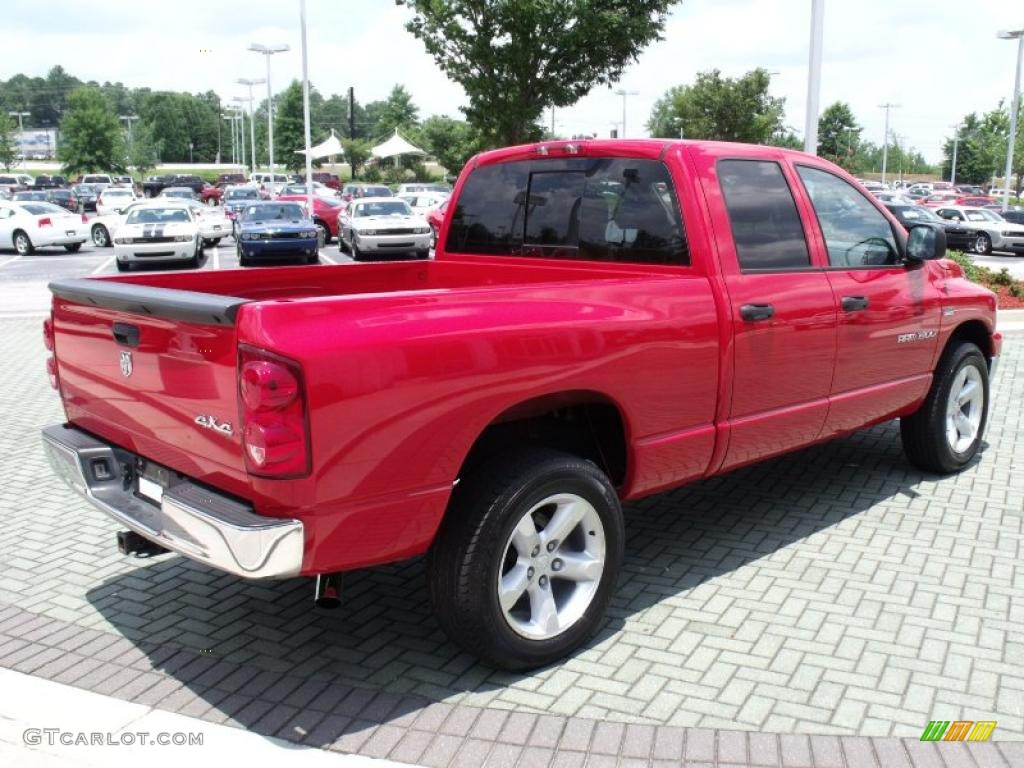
[993,232]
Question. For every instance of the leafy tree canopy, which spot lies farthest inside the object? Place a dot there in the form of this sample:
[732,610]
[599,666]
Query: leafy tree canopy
[838,134]
[720,108]
[515,57]
[90,134]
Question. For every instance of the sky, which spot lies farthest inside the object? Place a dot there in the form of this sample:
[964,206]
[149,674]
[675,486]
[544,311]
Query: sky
[937,59]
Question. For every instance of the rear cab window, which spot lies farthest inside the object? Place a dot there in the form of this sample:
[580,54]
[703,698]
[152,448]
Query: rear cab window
[588,209]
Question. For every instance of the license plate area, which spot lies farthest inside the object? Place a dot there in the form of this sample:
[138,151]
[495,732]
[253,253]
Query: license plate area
[69,232]
[151,481]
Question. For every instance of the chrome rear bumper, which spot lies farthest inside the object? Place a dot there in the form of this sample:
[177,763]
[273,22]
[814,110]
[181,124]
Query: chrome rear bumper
[190,519]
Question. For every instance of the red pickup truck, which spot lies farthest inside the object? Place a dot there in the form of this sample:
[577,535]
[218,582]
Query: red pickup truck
[603,320]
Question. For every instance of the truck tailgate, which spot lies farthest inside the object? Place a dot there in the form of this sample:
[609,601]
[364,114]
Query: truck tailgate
[153,371]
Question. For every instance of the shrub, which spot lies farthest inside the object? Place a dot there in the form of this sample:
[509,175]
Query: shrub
[1017,290]
[1003,277]
[372,174]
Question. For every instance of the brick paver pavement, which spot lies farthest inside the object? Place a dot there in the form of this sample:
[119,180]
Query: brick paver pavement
[825,596]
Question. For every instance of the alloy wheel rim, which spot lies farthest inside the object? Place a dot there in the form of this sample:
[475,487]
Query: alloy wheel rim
[21,244]
[964,408]
[551,566]
[981,245]
[99,237]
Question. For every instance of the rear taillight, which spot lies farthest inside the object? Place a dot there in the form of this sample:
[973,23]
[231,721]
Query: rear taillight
[51,361]
[275,423]
[44,221]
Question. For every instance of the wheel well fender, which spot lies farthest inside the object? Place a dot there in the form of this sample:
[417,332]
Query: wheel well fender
[585,423]
[974,331]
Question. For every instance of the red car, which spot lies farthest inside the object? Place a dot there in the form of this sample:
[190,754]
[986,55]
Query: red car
[325,215]
[603,320]
[211,194]
[976,201]
[939,199]
[328,179]
[435,217]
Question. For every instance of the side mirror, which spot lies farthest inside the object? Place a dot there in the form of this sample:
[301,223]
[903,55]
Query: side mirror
[926,242]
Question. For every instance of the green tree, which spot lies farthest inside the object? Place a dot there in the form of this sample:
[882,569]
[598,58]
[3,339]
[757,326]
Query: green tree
[838,134]
[357,152]
[451,141]
[90,134]
[786,137]
[290,128]
[721,108]
[513,59]
[143,149]
[8,149]
[397,111]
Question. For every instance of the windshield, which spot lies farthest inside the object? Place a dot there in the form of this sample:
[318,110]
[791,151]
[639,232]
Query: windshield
[983,215]
[157,216]
[272,212]
[919,214]
[30,196]
[389,208]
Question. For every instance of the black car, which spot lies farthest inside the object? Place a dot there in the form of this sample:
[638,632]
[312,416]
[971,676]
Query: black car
[65,198]
[50,182]
[959,236]
[1016,216]
[87,195]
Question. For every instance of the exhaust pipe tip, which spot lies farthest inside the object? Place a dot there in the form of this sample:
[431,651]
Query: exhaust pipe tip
[328,591]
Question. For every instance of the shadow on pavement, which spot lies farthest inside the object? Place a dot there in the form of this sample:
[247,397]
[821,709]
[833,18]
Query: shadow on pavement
[261,655]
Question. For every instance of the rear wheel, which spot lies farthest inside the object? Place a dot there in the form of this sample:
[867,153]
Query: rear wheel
[945,433]
[100,236]
[527,557]
[23,244]
[73,247]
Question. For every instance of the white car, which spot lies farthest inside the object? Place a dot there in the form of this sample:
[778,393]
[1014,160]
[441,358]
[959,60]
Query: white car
[418,187]
[992,231]
[213,224]
[30,225]
[421,202]
[158,232]
[114,200]
[98,178]
[374,226]
[894,198]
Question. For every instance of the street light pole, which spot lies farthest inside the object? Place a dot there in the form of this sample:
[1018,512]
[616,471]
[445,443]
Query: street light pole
[885,142]
[814,77]
[305,111]
[252,119]
[128,119]
[268,51]
[625,94]
[956,142]
[1018,35]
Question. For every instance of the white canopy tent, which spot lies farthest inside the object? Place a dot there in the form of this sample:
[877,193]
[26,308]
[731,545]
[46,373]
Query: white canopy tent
[328,148]
[395,147]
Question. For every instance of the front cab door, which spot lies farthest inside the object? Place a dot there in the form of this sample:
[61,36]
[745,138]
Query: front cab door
[889,310]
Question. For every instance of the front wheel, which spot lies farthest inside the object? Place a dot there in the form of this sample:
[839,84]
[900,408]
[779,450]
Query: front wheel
[945,433]
[357,254]
[527,557]
[982,244]
[100,237]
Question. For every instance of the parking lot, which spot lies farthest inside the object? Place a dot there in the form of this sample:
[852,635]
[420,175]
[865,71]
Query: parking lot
[837,592]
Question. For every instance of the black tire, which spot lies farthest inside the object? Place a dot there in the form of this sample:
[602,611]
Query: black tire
[982,244]
[100,236]
[242,261]
[216,241]
[23,243]
[357,255]
[433,237]
[467,556]
[73,247]
[123,266]
[923,433]
[323,234]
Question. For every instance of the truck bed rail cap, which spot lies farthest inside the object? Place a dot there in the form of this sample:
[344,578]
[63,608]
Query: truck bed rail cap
[170,303]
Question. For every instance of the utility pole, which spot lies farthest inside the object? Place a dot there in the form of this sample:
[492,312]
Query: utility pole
[252,118]
[234,150]
[956,141]
[814,77]
[268,51]
[129,119]
[625,94]
[1018,35]
[352,125]
[305,111]
[20,115]
[885,142]
[552,121]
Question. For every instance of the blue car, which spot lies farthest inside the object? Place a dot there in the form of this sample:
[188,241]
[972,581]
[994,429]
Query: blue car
[269,230]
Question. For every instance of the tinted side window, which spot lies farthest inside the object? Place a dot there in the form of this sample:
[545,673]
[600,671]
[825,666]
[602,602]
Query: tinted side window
[765,224]
[856,233]
[593,209]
